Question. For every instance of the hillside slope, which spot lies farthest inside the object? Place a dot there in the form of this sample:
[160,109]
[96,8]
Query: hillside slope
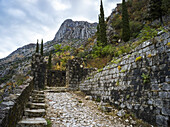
[72,33]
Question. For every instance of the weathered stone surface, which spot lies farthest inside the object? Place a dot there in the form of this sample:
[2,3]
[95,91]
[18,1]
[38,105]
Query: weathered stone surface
[75,30]
[64,109]
[161,120]
[11,111]
[144,86]
[88,97]
[121,113]
[56,78]
[34,113]
[36,105]
[32,122]
[38,67]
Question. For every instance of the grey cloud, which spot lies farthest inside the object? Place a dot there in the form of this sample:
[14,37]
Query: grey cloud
[22,22]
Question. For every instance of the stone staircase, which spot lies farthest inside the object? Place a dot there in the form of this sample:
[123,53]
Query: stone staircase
[56,89]
[34,112]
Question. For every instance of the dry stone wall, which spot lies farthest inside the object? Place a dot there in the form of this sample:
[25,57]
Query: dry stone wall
[39,71]
[139,82]
[75,73]
[12,107]
[56,78]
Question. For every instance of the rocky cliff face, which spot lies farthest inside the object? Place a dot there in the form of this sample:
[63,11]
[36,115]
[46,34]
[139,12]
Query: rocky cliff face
[18,62]
[75,30]
[71,32]
[20,53]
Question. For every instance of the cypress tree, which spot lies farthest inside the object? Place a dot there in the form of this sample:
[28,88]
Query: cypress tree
[42,47]
[155,10]
[166,7]
[37,48]
[125,23]
[101,29]
[49,62]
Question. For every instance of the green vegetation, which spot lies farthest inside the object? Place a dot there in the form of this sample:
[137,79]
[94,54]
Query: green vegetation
[49,123]
[123,71]
[146,78]
[117,83]
[88,78]
[147,33]
[127,96]
[125,23]
[155,10]
[101,28]
[61,57]
[5,78]
[42,47]
[100,70]
[165,7]
[129,22]
[98,99]
[37,47]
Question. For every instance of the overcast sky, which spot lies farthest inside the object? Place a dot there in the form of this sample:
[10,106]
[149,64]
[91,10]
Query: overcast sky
[24,21]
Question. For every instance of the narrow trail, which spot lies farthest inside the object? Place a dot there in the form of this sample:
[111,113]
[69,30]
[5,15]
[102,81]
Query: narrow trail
[65,109]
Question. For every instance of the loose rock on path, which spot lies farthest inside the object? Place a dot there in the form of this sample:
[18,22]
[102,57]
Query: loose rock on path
[65,110]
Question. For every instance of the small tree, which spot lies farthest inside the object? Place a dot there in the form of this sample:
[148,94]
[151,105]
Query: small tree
[101,28]
[49,62]
[42,47]
[37,48]
[125,23]
[155,10]
[166,7]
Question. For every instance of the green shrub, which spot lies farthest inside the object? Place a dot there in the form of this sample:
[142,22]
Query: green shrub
[49,123]
[100,70]
[146,78]
[98,99]
[123,71]
[135,28]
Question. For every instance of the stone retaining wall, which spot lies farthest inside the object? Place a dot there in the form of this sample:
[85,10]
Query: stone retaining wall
[12,108]
[137,82]
[76,73]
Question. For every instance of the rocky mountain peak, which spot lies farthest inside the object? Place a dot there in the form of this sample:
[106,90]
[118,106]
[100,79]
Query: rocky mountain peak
[75,30]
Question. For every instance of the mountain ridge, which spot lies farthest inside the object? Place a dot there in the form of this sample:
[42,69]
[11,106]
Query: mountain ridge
[61,35]
[70,32]
[79,30]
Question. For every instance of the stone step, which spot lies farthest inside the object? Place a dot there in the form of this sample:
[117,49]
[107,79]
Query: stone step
[36,105]
[37,92]
[32,122]
[56,89]
[34,113]
[38,95]
[37,100]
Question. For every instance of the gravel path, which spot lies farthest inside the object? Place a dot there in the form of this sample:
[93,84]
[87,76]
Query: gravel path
[65,110]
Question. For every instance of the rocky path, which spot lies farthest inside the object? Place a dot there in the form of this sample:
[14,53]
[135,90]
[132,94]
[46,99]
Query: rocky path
[67,110]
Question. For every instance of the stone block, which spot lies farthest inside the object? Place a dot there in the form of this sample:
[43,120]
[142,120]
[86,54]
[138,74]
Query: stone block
[163,94]
[155,87]
[159,103]
[166,86]
[161,120]
[165,111]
